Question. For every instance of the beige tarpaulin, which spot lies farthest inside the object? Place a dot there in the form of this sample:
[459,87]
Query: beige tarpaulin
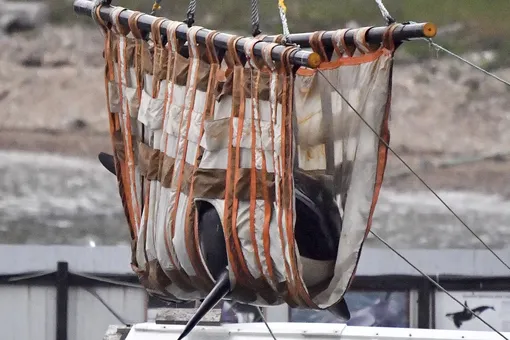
[197,129]
[333,140]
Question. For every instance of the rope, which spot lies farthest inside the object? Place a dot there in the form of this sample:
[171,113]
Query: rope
[31,276]
[415,174]
[265,322]
[283,17]
[255,20]
[448,163]
[438,286]
[105,280]
[386,15]
[441,48]
[191,12]
[156,7]
[110,309]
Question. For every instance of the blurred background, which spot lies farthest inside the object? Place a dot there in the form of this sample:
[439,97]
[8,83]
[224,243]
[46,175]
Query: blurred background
[449,121]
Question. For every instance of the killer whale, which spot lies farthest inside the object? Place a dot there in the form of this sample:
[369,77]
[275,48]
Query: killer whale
[317,233]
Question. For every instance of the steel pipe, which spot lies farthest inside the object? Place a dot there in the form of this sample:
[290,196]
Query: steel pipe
[144,22]
[374,35]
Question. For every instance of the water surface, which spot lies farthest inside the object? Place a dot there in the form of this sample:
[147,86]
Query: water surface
[52,199]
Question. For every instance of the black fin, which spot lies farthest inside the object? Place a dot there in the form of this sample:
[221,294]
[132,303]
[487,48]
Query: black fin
[107,161]
[212,239]
[219,291]
[341,310]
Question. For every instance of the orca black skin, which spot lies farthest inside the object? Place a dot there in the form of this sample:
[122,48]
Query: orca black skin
[317,232]
[107,161]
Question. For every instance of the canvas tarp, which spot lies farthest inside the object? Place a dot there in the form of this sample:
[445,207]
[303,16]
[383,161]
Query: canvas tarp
[197,129]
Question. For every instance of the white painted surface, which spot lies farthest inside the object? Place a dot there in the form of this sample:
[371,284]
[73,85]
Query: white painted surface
[277,313]
[27,312]
[89,318]
[295,331]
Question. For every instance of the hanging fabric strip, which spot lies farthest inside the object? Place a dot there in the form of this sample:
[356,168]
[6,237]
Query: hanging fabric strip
[175,76]
[127,94]
[203,111]
[285,171]
[352,171]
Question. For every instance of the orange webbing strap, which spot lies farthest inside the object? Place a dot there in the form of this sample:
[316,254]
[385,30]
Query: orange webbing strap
[290,294]
[176,275]
[132,20]
[285,69]
[192,230]
[265,286]
[202,280]
[159,56]
[173,48]
[327,113]
[361,42]
[255,75]
[260,67]
[246,287]
[157,278]
[128,165]
[317,45]
[115,130]
[123,73]
[234,251]
[339,44]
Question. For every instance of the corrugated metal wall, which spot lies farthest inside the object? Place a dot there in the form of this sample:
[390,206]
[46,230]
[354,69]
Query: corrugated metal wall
[89,318]
[29,312]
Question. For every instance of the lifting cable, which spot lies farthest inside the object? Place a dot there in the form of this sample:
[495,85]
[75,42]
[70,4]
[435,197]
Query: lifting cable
[106,280]
[265,322]
[386,243]
[441,288]
[441,48]
[91,291]
[283,17]
[190,14]
[384,11]
[156,6]
[107,306]
[255,19]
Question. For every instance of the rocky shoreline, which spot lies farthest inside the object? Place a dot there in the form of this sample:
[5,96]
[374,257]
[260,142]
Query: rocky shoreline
[52,100]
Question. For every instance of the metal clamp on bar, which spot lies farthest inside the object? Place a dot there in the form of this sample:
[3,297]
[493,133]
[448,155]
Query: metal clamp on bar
[373,36]
[144,22]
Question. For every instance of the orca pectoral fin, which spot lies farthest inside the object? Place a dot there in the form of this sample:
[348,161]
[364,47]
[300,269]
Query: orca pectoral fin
[340,310]
[107,161]
[219,291]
